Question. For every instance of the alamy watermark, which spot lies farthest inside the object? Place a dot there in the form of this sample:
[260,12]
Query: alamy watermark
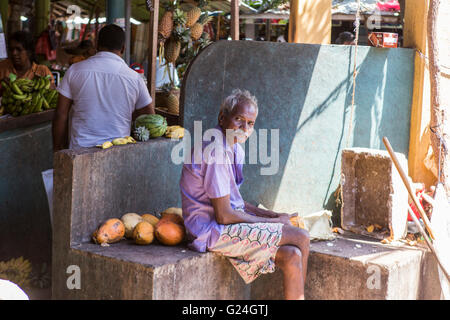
[211,147]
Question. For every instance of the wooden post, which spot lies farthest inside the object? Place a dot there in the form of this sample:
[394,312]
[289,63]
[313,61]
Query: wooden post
[97,15]
[218,27]
[439,120]
[234,19]
[127,30]
[153,50]
[4,10]
[268,30]
[310,21]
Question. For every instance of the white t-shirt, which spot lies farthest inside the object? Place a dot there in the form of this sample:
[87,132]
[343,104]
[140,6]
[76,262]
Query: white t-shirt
[105,92]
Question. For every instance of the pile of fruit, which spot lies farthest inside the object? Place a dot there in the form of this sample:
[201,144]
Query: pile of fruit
[25,96]
[181,36]
[143,229]
[149,126]
[116,142]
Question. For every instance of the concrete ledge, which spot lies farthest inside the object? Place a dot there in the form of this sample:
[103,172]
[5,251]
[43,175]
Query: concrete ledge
[352,268]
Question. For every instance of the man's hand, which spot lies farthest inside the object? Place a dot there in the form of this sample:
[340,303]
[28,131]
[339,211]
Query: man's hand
[285,218]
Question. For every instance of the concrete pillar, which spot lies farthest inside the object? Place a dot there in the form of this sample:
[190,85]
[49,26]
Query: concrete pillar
[4,8]
[373,193]
[115,9]
[42,8]
[310,21]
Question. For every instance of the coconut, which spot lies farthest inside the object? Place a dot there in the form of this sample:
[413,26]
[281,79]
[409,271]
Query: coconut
[130,220]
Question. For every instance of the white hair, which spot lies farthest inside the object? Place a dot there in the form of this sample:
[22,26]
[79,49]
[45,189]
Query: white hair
[236,97]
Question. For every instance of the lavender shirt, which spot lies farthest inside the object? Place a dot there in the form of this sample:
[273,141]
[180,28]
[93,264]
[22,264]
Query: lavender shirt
[210,177]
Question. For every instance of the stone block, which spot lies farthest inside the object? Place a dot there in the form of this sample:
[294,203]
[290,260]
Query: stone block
[373,193]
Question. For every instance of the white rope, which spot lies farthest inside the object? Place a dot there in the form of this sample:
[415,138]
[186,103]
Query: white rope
[350,126]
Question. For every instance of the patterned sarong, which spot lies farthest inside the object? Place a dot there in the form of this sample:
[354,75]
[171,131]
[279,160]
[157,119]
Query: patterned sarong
[250,247]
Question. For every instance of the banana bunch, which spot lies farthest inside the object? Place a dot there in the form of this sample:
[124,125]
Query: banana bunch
[116,142]
[25,96]
[174,132]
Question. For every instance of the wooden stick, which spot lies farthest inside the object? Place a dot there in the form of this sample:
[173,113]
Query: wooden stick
[152,51]
[234,19]
[408,187]
[413,216]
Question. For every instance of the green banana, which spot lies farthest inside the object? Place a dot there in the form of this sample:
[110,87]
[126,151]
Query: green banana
[20,97]
[52,95]
[5,85]
[36,83]
[47,83]
[16,89]
[39,104]
[42,83]
[35,98]
[45,104]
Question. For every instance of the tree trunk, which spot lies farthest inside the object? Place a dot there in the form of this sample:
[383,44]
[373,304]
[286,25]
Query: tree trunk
[439,121]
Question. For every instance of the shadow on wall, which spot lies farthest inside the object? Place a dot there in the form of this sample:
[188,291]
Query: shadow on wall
[305,92]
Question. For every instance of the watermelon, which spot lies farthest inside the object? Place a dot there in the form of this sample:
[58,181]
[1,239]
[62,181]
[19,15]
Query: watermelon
[155,124]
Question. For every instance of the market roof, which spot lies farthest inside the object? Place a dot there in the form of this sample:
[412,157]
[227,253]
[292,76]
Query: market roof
[351,6]
[139,8]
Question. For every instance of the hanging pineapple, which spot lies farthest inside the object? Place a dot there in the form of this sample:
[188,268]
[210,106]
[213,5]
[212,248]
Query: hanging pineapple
[165,26]
[197,28]
[173,45]
[172,50]
[194,13]
[173,104]
[192,16]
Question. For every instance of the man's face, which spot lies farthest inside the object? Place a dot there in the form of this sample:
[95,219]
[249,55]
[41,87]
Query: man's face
[241,121]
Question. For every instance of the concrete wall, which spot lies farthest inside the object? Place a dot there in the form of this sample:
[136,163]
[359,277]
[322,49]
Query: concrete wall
[25,228]
[304,91]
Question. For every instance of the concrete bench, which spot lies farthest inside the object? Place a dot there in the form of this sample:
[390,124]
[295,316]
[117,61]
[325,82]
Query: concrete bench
[92,185]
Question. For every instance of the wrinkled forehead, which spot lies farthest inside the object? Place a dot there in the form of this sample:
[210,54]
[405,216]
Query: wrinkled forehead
[245,109]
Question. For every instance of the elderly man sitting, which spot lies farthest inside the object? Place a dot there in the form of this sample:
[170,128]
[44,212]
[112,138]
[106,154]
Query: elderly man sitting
[217,219]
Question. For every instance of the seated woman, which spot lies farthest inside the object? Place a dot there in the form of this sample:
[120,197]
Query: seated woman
[21,59]
[216,217]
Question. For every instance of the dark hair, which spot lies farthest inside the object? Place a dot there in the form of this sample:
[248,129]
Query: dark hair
[26,39]
[111,37]
[345,37]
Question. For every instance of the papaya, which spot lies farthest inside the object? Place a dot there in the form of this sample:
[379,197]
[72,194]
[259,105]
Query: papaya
[130,220]
[112,230]
[150,218]
[143,233]
[169,233]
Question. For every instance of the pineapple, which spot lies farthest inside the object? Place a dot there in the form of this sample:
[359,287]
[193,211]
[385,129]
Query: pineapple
[197,28]
[172,50]
[17,271]
[166,24]
[192,16]
[141,134]
[179,17]
[173,104]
